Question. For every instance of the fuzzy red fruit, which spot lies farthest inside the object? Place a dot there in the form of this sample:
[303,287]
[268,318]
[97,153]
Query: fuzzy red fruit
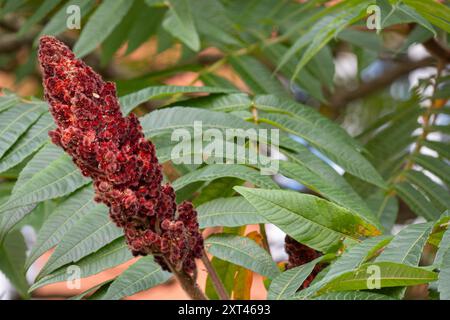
[112,150]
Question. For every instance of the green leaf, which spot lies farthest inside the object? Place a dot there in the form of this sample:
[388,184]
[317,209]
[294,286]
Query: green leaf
[308,219]
[58,23]
[416,17]
[226,272]
[10,218]
[15,121]
[434,191]
[256,75]
[11,6]
[216,171]
[66,214]
[89,234]
[95,291]
[220,188]
[363,39]
[243,252]
[322,67]
[444,277]
[144,26]
[54,179]
[224,102]
[327,136]
[142,275]
[326,29]
[355,256]
[7,101]
[320,177]
[287,283]
[322,32]
[102,22]
[434,165]
[391,275]
[417,201]
[437,13]
[353,295]
[47,154]
[407,246]
[351,259]
[439,230]
[385,207]
[442,261]
[440,147]
[43,10]
[166,120]
[28,143]
[443,248]
[307,81]
[213,22]
[213,80]
[132,100]
[12,259]
[111,255]
[121,32]
[227,212]
[180,24]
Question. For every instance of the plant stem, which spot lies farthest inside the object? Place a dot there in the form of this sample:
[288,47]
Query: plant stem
[188,283]
[218,285]
[262,231]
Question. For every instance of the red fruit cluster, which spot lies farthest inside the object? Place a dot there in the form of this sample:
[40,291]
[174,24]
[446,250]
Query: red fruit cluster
[112,150]
[300,254]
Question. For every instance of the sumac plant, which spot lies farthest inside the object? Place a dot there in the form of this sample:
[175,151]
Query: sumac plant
[245,149]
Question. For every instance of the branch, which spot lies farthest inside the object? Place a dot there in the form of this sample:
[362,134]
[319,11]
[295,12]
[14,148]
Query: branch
[10,43]
[342,97]
[218,285]
[437,50]
[188,283]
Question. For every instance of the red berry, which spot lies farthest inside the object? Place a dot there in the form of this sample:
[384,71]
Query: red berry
[111,149]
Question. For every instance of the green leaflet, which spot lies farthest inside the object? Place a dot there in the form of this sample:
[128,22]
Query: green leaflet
[102,22]
[417,201]
[7,101]
[41,12]
[313,221]
[132,100]
[65,215]
[142,275]
[12,259]
[353,295]
[50,174]
[216,171]
[243,252]
[15,121]
[256,75]
[320,177]
[28,143]
[391,275]
[109,256]
[322,133]
[89,234]
[180,24]
[408,244]
[286,284]
[227,212]
[58,22]
[385,207]
[166,120]
[435,165]
[443,263]
[351,259]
